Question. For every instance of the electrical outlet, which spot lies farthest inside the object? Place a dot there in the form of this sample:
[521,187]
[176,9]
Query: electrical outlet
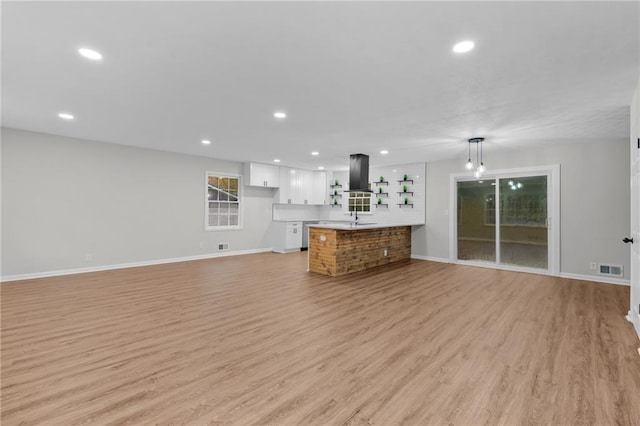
[88,257]
[593,266]
[386,252]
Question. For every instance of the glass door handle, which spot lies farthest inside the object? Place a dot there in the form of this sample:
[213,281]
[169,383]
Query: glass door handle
[627,240]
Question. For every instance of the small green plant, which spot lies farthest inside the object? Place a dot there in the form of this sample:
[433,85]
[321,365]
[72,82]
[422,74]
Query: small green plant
[335,201]
[379,200]
[381,178]
[404,188]
[337,183]
[335,192]
[406,200]
[380,190]
[405,177]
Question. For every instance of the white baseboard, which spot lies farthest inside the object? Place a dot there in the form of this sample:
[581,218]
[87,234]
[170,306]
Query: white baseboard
[128,265]
[594,278]
[285,251]
[430,258]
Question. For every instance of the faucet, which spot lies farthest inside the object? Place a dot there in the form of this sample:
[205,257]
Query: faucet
[351,214]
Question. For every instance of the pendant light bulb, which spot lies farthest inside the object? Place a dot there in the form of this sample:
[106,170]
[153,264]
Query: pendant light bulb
[482,168]
[477,174]
[469,164]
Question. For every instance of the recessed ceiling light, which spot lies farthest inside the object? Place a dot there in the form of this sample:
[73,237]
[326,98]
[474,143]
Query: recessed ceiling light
[315,153]
[276,160]
[90,54]
[463,46]
[66,116]
[384,152]
[206,142]
[280,114]
[320,168]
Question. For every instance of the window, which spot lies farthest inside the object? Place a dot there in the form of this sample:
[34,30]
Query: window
[223,202]
[359,202]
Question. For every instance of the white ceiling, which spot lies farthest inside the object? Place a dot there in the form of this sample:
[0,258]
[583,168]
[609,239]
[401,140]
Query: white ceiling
[353,77]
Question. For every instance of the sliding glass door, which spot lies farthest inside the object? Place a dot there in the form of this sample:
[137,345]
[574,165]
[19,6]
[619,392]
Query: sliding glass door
[504,220]
[522,223]
[476,221]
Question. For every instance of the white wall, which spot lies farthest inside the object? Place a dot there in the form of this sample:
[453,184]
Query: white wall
[63,198]
[594,202]
[393,214]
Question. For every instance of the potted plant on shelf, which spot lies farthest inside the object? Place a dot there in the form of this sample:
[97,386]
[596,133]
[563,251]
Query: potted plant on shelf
[335,201]
[335,192]
[405,177]
[379,200]
[380,190]
[337,183]
[404,188]
[406,200]
[381,178]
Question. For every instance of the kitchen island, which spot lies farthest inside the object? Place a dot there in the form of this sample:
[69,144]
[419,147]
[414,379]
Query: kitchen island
[341,248]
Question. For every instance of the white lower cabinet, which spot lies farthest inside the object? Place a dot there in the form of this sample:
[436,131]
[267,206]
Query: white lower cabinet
[287,236]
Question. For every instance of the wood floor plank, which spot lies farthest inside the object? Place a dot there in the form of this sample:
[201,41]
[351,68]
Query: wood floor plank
[256,340]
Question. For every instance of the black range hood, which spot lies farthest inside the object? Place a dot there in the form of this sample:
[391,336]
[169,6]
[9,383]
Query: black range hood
[359,173]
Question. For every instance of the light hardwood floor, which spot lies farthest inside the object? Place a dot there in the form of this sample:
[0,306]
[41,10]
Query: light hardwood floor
[258,340]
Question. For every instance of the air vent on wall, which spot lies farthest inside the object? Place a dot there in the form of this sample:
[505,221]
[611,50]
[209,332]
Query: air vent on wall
[613,270]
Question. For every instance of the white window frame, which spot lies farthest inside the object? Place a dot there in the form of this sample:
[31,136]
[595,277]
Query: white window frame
[239,226]
[553,219]
[371,207]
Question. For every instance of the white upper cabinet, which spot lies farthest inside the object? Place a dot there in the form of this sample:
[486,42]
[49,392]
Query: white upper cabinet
[319,190]
[284,193]
[265,175]
[298,186]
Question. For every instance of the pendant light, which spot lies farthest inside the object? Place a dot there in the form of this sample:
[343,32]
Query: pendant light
[469,164]
[479,160]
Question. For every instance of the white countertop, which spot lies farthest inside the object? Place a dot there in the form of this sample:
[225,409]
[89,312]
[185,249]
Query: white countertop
[359,226]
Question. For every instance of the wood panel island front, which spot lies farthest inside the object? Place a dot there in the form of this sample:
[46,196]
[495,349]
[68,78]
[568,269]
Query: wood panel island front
[338,249]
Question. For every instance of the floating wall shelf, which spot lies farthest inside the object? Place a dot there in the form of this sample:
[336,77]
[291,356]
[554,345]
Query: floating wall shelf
[408,204]
[408,180]
[408,192]
[336,186]
[384,182]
